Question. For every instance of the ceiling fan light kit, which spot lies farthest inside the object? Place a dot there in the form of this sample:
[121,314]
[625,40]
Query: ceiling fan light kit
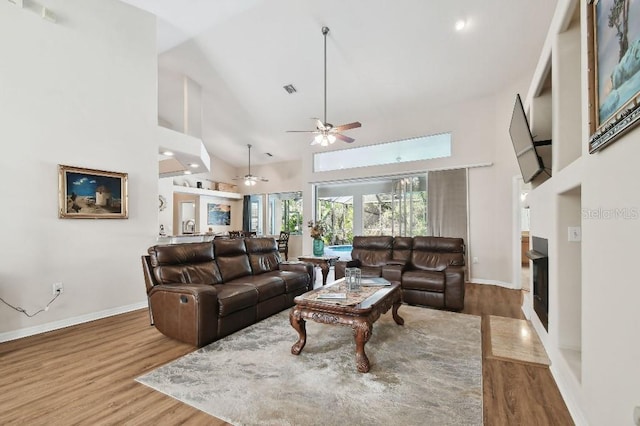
[326,133]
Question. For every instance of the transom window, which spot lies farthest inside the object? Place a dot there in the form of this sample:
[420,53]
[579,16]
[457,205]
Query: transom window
[415,149]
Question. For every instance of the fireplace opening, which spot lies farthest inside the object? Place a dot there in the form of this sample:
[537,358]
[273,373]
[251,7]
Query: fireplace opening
[539,255]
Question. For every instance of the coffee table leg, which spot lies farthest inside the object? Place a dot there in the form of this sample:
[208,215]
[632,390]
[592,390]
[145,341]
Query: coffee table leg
[362,332]
[298,323]
[394,311]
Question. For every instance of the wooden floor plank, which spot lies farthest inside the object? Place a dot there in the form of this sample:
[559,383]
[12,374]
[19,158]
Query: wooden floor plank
[85,374]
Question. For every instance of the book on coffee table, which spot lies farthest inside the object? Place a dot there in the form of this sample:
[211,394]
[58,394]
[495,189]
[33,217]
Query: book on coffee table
[374,282]
[332,296]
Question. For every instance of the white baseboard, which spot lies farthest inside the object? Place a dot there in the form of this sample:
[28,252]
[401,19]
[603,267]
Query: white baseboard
[493,282]
[56,325]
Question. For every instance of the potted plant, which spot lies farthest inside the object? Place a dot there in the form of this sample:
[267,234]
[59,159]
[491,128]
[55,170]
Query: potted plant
[317,230]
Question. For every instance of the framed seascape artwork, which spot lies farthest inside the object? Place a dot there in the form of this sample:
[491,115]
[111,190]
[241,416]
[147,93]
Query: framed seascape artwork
[614,69]
[218,214]
[92,194]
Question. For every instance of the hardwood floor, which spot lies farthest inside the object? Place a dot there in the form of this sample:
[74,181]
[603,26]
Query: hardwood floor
[514,393]
[85,375]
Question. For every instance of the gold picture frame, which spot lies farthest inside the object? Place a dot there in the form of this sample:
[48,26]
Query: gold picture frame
[614,79]
[92,194]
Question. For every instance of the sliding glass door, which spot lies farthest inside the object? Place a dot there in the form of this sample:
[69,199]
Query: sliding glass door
[385,206]
[402,211]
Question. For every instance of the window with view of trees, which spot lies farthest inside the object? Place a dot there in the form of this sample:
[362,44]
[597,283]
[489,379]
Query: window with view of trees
[402,211]
[285,213]
[383,206]
[336,213]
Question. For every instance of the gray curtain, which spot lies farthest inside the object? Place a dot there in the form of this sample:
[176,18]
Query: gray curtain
[246,213]
[447,203]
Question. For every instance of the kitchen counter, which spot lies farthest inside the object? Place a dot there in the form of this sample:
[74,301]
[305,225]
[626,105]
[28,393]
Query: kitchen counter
[185,238]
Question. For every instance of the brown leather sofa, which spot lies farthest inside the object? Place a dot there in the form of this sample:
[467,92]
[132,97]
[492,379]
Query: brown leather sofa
[201,292]
[431,270]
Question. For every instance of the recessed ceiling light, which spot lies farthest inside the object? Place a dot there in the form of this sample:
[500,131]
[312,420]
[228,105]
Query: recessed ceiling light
[460,24]
[167,153]
[187,172]
[194,166]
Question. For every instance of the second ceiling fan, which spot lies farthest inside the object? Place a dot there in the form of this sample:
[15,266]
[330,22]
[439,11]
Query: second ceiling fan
[327,133]
[249,179]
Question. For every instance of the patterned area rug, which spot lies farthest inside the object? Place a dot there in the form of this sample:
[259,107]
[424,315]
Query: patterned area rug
[428,371]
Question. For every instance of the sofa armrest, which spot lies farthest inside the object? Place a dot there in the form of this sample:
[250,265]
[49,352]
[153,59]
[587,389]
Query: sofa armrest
[341,265]
[454,287]
[186,312]
[296,266]
[149,279]
[393,272]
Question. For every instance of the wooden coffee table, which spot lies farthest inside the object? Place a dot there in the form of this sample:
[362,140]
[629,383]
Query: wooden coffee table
[359,317]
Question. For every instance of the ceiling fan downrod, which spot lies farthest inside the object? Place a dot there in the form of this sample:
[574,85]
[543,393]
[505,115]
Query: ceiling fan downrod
[249,146]
[325,31]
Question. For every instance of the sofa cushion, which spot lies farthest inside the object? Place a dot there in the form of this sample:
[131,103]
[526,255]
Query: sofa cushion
[292,280]
[233,298]
[263,254]
[191,263]
[402,249]
[232,259]
[266,286]
[423,280]
[437,253]
[372,251]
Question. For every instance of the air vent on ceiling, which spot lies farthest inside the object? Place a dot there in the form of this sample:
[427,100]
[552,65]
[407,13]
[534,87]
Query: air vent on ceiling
[290,89]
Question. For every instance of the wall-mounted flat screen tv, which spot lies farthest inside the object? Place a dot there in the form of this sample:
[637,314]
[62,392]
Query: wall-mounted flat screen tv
[528,159]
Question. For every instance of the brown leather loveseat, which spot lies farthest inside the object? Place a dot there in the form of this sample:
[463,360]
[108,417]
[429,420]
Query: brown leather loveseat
[431,270]
[201,292]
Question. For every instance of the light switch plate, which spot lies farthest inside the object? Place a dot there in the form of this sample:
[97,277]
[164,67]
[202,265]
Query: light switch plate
[636,416]
[575,233]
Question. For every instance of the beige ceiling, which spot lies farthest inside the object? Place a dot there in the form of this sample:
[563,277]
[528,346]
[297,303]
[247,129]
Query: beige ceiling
[386,60]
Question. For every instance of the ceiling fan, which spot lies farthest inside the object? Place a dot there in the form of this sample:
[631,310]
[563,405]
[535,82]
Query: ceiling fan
[249,179]
[327,133]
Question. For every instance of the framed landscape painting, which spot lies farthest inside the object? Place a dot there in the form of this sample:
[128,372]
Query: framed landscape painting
[218,214]
[614,69]
[92,194]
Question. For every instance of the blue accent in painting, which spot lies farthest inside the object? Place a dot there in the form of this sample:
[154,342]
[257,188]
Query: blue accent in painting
[86,185]
[218,214]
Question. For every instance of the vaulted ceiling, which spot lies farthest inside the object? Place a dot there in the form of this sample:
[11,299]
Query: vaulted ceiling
[385,60]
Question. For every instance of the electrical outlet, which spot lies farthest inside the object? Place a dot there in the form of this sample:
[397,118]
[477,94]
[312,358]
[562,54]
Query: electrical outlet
[57,288]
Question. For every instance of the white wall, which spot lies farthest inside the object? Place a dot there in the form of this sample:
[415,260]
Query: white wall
[80,92]
[610,290]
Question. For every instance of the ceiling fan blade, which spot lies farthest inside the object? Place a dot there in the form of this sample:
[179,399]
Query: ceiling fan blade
[302,131]
[343,138]
[343,127]
[264,180]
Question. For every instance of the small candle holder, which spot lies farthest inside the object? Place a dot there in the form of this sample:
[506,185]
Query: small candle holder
[352,277]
